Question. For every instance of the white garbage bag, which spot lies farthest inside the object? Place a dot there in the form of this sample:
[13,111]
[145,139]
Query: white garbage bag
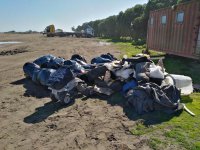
[184,83]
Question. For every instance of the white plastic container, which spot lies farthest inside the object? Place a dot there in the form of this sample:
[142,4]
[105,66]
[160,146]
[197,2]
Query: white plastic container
[182,82]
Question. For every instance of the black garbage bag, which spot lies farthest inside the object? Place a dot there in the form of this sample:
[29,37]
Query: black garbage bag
[108,56]
[80,62]
[135,60]
[29,69]
[44,60]
[60,78]
[149,96]
[55,63]
[99,60]
[96,73]
[74,66]
[78,57]
[115,86]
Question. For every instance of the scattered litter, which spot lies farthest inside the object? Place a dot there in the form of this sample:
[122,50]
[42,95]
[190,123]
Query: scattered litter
[187,110]
[145,85]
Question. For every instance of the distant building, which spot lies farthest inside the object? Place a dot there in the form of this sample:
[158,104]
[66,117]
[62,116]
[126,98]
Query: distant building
[89,30]
[176,30]
[58,30]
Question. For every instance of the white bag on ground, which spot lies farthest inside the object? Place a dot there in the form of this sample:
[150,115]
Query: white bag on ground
[184,83]
[156,72]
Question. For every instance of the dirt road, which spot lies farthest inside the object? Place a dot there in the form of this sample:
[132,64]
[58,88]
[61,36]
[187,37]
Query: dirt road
[28,118]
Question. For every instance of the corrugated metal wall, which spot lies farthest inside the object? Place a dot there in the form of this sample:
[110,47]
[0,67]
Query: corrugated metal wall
[198,43]
[179,38]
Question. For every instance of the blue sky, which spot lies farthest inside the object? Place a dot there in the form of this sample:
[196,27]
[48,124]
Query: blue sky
[22,15]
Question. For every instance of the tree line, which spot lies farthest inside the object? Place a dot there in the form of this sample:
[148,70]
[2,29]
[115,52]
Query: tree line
[130,23]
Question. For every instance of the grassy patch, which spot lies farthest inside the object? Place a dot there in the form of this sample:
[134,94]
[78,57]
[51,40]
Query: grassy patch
[185,66]
[163,129]
[127,48]
[156,143]
[131,50]
[181,128]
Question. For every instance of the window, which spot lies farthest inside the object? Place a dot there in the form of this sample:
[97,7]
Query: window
[164,19]
[151,21]
[180,17]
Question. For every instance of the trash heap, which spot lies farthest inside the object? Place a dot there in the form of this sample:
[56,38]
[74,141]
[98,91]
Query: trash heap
[145,85]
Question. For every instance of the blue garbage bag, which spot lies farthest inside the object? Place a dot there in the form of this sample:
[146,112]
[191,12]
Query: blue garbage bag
[43,76]
[108,56]
[74,66]
[98,60]
[44,60]
[29,69]
[128,86]
[55,63]
[81,60]
[35,76]
[60,78]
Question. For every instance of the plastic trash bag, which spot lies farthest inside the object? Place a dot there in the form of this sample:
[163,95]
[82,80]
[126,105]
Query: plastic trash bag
[96,73]
[74,66]
[43,76]
[66,94]
[29,69]
[44,60]
[55,63]
[156,72]
[149,96]
[35,76]
[129,85]
[108,56]
[60,78]
[98,60]
[124,73]
[78,57]
[81,61]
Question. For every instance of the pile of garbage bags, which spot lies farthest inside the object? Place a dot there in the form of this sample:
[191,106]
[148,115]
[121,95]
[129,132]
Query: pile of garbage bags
[145,85]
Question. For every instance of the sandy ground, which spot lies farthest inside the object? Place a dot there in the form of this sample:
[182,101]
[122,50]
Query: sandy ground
[28,118]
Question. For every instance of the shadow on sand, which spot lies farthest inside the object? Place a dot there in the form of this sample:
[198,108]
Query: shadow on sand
[39,92]
[32,89]
[43,112]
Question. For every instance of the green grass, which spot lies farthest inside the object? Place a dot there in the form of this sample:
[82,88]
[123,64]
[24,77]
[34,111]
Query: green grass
[156,143]
[180,130]
[185,66]
[128,49]
[131,50]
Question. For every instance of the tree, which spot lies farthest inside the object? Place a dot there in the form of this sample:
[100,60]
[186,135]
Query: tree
[73,28]
[132,23]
